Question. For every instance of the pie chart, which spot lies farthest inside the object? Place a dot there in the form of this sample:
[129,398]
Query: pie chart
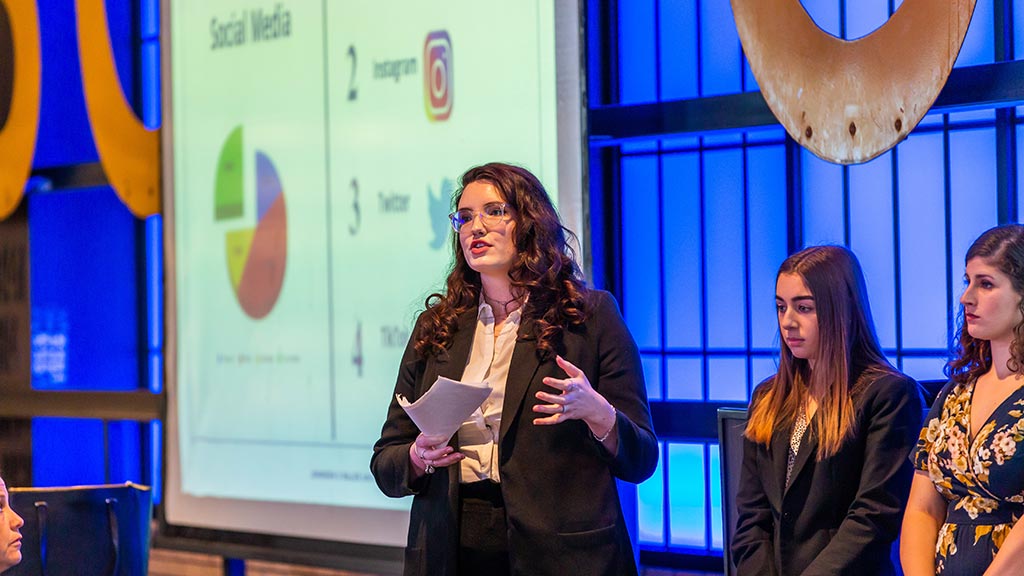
[257,248]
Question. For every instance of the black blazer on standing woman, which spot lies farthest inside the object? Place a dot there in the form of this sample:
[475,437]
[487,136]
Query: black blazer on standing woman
[558,482]
[842,514]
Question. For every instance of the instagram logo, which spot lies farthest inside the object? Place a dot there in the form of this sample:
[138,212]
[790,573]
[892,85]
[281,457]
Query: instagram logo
[437,75]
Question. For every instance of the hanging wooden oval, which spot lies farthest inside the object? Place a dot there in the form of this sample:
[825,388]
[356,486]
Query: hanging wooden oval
[849,101]
[20,82]
[129,152]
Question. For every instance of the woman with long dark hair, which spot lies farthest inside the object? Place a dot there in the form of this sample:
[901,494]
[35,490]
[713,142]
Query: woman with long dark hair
[527,484]
[825,472]
[968,492]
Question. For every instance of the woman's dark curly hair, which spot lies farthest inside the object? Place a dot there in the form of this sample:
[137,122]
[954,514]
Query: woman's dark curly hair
[1003,248]
[545,268]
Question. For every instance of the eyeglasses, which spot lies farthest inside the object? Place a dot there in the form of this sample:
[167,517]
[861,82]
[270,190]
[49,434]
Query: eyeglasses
[491,215]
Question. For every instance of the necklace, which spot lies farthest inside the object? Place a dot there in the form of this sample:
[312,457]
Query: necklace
[503,305]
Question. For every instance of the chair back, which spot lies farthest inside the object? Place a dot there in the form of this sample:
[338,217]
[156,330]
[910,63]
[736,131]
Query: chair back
[102,530]
[731,424]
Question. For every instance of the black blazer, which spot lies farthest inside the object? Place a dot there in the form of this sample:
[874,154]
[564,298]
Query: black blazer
[840,515]
[558,482]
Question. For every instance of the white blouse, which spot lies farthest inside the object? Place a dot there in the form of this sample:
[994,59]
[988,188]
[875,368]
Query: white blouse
[489,360]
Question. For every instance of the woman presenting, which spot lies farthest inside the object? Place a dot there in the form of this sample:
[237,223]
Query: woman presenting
[527,484]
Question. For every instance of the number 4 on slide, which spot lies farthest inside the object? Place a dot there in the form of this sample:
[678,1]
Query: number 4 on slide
[357,350]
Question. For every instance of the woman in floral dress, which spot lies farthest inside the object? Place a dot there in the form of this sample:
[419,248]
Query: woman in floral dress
[968,492]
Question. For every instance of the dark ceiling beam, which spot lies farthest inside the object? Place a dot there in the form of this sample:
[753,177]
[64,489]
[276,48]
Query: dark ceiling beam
[140,406]
[983,86]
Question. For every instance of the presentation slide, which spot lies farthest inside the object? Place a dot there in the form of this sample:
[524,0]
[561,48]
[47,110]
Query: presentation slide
[312,149]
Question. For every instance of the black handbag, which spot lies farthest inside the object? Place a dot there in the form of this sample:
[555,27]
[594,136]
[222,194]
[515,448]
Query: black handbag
[84,530]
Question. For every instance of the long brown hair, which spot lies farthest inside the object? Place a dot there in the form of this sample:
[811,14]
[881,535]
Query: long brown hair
[848,350]
[545,268]
[1002,247]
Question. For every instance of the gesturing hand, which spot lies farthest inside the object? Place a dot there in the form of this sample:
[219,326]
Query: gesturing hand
[578,401]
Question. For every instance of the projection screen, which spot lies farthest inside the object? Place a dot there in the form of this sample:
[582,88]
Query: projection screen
[311,148]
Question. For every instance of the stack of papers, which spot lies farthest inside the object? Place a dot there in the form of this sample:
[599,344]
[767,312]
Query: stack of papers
[445,406]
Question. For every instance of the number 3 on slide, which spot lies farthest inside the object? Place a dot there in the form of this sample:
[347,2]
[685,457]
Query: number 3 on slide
[352,93]
[353,228]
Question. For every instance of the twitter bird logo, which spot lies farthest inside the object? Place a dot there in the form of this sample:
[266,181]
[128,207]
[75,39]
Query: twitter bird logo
[438,212]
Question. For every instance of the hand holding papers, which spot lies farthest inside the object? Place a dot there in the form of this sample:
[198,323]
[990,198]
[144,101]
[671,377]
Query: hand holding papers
[445,406]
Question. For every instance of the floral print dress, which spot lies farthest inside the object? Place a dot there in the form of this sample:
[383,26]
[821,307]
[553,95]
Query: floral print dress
[981,478]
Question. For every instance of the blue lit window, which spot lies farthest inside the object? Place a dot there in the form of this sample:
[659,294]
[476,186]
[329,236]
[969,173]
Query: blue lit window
[697,284]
